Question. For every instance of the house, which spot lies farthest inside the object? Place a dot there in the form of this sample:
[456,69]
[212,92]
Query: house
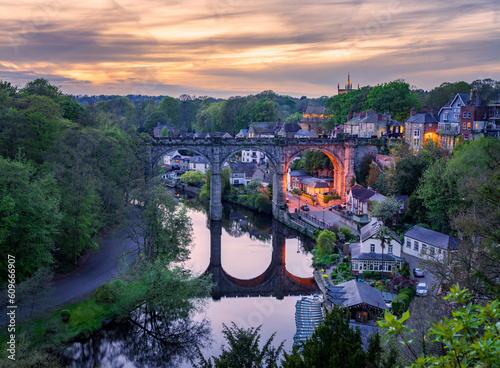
[293,177]
[368,255]
[199,163]
[171,131]
[361,300]
[181,161]
[263,130]
[167,158]
[450,115]
[313,118]
[313,186]
[473,117]
[423,243]
[358,199]
[335,133]
[305,134]
[223,135]
[243,173]
[288,130]
[255,156]
[243,133]
[420,127]
[370,124]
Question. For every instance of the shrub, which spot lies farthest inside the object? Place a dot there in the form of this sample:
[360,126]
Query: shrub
[65,315]
[377,275]
[400,303]
[367,274]
[400,282]
[117,286]
[105,293]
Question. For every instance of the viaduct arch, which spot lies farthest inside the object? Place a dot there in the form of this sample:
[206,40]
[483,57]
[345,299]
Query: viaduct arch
[280,152]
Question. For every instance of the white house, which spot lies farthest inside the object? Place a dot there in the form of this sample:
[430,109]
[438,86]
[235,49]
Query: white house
[167,158]
[368,254]
[243,173]
[424,243]
[257,157]
[199,163]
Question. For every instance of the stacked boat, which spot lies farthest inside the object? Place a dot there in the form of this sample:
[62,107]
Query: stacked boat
[309,314]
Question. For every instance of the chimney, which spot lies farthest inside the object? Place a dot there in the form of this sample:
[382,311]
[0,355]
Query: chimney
[425,108]
[348,116]
[473,93]
[413,111]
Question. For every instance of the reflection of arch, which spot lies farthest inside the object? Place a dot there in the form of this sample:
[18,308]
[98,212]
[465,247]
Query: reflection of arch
[275,280]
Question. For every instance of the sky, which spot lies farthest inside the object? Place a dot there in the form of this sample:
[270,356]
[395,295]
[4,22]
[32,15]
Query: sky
[225,48]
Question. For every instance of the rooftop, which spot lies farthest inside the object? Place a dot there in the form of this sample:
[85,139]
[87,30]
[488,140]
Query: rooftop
[353,293]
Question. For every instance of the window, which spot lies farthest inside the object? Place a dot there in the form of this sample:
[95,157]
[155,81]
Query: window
[389,248]
[355,265]
[468,125]
[408,243]
[464,124]
[372,248]
[416,133]
[415,245]
[465,114]
[424,248]
[432,251]
[469,115]
[445,116]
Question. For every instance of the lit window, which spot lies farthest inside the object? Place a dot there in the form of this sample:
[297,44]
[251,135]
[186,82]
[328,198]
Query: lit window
[464,125]
[468,125]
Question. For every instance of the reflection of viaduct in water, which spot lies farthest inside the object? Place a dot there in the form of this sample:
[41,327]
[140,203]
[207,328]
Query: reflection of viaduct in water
[274,281]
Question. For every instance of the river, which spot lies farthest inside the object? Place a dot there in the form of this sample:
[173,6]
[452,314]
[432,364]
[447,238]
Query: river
[261,269]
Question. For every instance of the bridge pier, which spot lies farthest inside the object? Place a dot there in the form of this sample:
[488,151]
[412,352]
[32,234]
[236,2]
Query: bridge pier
[279,191]
[215,192]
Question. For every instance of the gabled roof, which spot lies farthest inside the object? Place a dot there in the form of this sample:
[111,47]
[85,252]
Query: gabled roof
[371,229]
[432,237]
[305,133]
[298,173]
[423,118]
[319,110]
[352,293]
[198,160]
[247,168]
[291,127]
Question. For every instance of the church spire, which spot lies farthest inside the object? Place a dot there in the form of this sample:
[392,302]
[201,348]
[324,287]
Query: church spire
[348,81]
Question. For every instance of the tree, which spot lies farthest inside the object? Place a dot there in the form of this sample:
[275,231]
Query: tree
[326,242]
[162,227]
[170,106]
[471,338]
[384,235]
[254,185]
[385,209]
[439,96]
[335,344]
[29,217]
[192,177]
[41,87]
[243,350]
[340,106]
[36,291]
[395,97]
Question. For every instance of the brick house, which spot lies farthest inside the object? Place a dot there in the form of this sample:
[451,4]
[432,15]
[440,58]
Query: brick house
[420,127]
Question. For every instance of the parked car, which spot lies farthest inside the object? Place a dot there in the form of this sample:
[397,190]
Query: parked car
[418,272]
[421,289]
[304,207]
[331,208]
[287,200]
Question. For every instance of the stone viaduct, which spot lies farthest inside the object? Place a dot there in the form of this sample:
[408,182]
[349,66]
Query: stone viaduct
[344,154]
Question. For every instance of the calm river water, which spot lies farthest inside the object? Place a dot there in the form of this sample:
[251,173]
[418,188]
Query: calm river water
[261,268]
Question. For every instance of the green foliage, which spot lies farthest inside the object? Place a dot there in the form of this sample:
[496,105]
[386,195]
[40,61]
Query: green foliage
[395,97]
[367,274]
[106,293]
[192,177]
[385,209]
[334,344]
[166,289]
[41,87]
[326,242]
[343,104]
[439,96]
[243,350]
[330,197]
[312,161]
[35,291]
[471,338]
[65,315]
[29,217]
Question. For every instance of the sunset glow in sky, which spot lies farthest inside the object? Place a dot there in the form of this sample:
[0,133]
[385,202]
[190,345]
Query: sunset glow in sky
[233,47]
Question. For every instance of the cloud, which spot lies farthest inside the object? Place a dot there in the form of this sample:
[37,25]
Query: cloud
[233,45]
